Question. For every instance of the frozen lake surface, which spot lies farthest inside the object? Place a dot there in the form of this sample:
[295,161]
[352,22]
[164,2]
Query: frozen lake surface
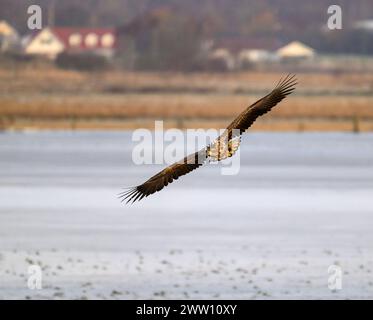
[300,203]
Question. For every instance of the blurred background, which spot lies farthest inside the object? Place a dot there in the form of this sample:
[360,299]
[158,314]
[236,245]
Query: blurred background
[72,92]
[120,64]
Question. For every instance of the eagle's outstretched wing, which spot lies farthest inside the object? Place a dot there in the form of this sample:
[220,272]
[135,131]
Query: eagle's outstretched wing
[166,176]
[228,143]
[225,146]
[285,87]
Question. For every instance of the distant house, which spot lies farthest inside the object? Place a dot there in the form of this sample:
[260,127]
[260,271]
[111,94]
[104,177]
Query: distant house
[255,56]
[245,51]
[296,50]
[50,42]
[9,38]
[222,59]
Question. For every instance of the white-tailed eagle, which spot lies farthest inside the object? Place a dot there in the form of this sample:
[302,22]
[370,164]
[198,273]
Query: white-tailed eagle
[223,147]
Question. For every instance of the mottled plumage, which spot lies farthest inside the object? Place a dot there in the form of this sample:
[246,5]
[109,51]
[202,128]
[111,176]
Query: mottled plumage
[223,147]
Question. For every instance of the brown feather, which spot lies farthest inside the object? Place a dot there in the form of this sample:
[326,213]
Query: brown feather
[166,176]
[262,106]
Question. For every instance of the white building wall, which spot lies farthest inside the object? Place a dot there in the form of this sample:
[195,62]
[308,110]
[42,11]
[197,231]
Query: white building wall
[46,44]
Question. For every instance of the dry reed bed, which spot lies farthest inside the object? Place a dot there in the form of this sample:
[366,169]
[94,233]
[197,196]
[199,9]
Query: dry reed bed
[52,98]
[58,81]
[184,106]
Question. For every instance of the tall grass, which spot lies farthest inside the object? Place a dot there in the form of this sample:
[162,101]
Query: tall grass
[50,95]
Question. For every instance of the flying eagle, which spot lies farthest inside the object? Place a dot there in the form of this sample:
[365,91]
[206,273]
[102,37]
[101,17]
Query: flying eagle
[223,147]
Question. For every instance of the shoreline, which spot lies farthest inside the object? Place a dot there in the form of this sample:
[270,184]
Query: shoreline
[265,125]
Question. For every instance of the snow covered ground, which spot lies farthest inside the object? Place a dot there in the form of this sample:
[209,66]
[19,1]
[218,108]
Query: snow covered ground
[301,203]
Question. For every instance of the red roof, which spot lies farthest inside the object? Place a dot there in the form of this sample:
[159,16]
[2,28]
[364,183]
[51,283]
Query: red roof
[64,34]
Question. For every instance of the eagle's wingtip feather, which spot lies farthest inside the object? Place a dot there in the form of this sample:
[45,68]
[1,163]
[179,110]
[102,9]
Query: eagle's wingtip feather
[130,194]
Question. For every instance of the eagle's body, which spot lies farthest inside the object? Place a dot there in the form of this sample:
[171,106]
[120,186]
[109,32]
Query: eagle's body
[223,147]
